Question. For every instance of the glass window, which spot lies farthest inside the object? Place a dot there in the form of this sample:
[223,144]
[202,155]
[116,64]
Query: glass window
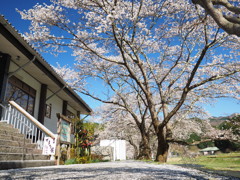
[21,93]
[70,115]
[48,110]
[30,106]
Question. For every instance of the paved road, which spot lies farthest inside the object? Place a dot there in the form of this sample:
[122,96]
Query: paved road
[126,170]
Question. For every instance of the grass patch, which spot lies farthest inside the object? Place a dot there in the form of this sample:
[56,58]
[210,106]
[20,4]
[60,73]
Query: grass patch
[83,160]
[70,161]
[228,161]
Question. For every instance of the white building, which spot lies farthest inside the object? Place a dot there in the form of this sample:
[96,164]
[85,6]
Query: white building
[119,148]
[27,79]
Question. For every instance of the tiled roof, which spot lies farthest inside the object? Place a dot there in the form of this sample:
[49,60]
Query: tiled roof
[210,149]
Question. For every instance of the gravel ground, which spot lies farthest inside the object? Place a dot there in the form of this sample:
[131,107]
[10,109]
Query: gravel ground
[122,170]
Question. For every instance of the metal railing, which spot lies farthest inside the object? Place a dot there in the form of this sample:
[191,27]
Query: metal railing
[20,119]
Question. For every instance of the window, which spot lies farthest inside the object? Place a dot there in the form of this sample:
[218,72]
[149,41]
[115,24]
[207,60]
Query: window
[70,115]
[48,110]
[21,93]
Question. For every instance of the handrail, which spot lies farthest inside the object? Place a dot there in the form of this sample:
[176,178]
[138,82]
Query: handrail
[30,117]
[28,127]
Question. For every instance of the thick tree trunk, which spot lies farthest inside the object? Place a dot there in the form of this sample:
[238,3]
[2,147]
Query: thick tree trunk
[144,148]
[135,152]
[163,147]
[135,148]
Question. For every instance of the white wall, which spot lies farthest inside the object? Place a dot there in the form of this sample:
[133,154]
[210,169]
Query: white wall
[56,101]
[69,108]
[57,104]
[119,148]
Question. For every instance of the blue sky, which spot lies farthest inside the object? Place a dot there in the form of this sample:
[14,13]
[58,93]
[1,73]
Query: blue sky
[8,9]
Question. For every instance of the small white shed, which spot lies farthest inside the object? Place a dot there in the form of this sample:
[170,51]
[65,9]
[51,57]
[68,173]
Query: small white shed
[119,148]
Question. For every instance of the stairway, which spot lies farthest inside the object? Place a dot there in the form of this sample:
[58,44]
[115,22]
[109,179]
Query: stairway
[13,153]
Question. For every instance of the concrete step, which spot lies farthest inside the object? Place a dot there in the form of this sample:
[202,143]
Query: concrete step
[9,129]
[5,124]
[14,155]
[19,156]
[17,143]
[12,133]
[14,138]
[14,149]
[4,127]
[25,164]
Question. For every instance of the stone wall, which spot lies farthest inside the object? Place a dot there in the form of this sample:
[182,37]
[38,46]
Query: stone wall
[105,151]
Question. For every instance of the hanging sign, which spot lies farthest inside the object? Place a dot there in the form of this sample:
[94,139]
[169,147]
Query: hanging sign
[65,131]
[49,146]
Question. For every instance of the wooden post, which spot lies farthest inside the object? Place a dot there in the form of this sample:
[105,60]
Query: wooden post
[69,145]
[58,146]
[4,68]
[64,108]
[42,103]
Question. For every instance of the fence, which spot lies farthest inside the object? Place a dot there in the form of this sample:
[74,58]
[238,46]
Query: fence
[20,119]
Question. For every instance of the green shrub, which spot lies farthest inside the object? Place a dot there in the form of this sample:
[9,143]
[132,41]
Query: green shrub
[83,160]
[206,144]
[193,137]
[95,161]
[70,161]
[72,153]
[227,145]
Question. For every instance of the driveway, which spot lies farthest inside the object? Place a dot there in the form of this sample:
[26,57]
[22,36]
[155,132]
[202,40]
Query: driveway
[122,170]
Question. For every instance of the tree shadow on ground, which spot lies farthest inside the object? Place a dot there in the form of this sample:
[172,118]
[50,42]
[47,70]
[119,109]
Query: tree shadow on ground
[73,172]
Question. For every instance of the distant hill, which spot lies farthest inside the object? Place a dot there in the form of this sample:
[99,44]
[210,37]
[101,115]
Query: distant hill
[216,121]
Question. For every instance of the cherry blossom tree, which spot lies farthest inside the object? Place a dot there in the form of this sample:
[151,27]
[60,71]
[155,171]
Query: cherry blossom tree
[163,52]
[224,13]
[118,124]
[128,119]
[231,129]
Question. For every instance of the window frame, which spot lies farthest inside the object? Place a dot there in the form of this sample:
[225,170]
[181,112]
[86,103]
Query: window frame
[18,85]
[48,110]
